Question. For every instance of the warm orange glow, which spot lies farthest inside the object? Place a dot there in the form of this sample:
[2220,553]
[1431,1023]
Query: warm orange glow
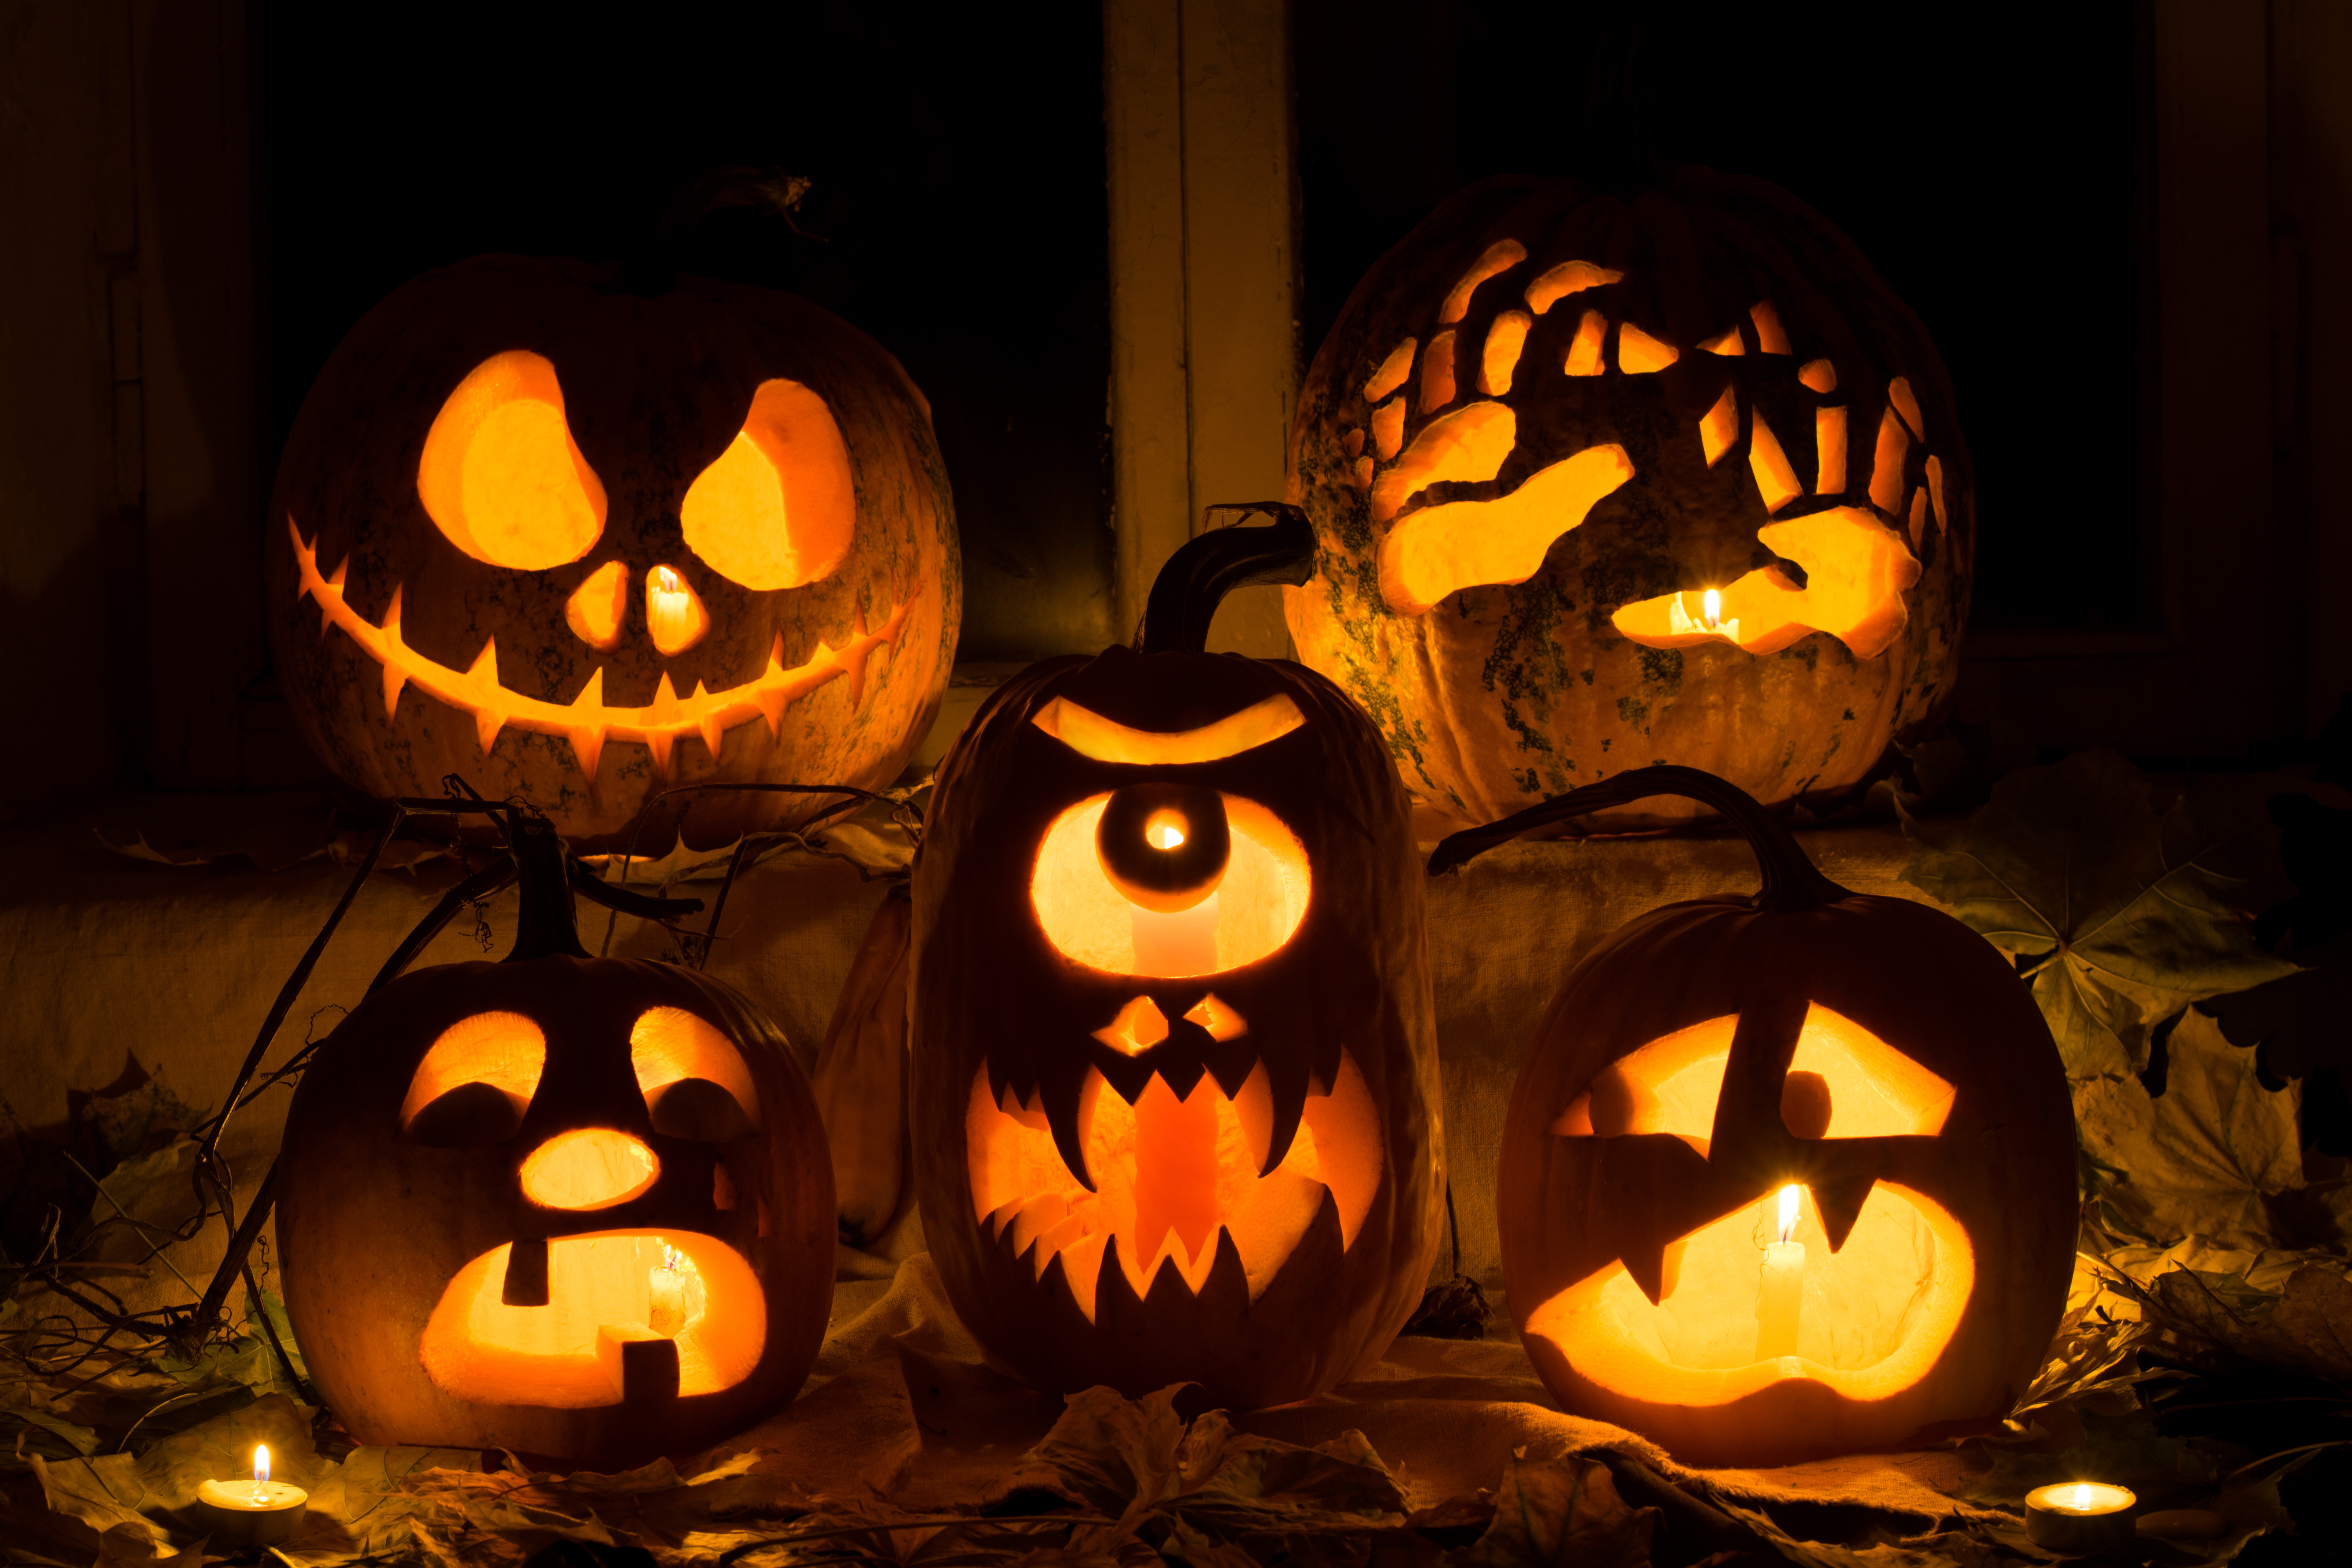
[1221,1022]
[1393,372]
[1567,278]
[1856,571]
[1363,473]
[1141,1024]
[1165,830]
[1788,1197]
[1776,481]
[1936,491]
[668,1045]
[1499,257]
[778,508]
[1388,428]
[504,1050]
[1887,467]
[1819,374]
[1714,608]
[1254,910]
[586,722]
[674,617]
[588,1168]
[1639,354]
[1090,734]
[595,608]
[501,476]
[1169,1174]
[1468,444]
[1584,353]
[573,1352]
[1769,337]
[1875,1313]
[1918,523]
[1437,371]
[1352,442]
[1727,342]
[1718,427]
[1829,441]
[1899,392]
[1498,361]
[261,1472]
[1467,544]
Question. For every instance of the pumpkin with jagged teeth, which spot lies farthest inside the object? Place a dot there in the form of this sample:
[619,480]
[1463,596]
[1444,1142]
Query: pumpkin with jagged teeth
[578,545]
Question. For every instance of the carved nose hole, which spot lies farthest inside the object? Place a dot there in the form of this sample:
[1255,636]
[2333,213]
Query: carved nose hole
[596,607]
[588,1168]
[674,612]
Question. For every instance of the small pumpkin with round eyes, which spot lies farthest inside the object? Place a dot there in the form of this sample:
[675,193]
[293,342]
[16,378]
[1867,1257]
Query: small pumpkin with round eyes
[1175,1098]
[577,537]
[1787,1175]
[572,1206]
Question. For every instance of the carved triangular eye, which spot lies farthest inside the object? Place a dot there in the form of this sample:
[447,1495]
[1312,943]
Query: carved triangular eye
[1670,1085]
[501,476]
[694,1079]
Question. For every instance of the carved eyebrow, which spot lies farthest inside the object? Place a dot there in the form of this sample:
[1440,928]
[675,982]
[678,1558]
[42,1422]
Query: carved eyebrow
[1090,734]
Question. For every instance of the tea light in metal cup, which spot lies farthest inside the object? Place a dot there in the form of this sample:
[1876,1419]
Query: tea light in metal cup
[2077,1518]
[259,1513]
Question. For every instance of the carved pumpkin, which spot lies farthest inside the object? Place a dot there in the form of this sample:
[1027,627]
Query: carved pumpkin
[571,1206]
[575,545]
[1175,1104]
[1600,484]
[1787,1175]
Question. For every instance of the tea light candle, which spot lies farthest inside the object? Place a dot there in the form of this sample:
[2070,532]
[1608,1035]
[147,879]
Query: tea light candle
[259,1513]
[2079,1517]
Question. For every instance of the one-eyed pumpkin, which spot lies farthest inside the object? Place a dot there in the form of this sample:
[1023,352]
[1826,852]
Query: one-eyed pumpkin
[1784,1175]
[570,1206]
[1175,1083]
[577,544]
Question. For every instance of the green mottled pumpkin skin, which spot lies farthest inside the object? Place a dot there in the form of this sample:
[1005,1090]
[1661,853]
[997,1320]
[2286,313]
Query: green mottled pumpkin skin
[1505,694]
[655,388]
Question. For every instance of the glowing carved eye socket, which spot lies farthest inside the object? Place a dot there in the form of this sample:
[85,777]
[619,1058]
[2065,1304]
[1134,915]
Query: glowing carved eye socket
[1250,911]
[475,1082]
[1090,734]
[588,1168]
[778,508]
[501,476]
[694,1079]
[594,610]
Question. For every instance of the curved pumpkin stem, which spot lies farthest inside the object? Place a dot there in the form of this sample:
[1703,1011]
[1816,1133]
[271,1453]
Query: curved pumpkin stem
[1186,593]
[1791,881]
[549,925]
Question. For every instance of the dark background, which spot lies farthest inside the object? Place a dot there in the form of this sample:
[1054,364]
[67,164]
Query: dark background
[1983,156]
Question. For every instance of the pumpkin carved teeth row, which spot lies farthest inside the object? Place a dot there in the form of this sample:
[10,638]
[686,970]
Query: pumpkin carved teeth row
[586,721]
[1178,1179]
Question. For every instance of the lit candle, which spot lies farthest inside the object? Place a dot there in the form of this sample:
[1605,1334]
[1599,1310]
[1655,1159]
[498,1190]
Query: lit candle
[259,1513]
[2078,1517]
[1780,1288]
[674,1296]
[1710,623]
[674,618]
[1713,610]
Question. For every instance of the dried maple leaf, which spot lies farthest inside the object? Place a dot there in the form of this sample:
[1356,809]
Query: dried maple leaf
[1562,1510]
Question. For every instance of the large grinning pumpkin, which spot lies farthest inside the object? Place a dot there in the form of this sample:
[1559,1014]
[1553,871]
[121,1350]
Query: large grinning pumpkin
[1603,482]
[577,544]
[1175,1092]
[1784,1175]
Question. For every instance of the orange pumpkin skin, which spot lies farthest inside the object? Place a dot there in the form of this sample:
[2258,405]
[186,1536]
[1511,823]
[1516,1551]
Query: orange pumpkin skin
[373,1226]
[655,389]
[2002,1165]
[1347,993]
[1518,683]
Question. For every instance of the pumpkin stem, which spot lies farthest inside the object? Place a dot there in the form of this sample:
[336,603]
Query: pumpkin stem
[548,926]
[1186,593]
[654,268]
[1791,881]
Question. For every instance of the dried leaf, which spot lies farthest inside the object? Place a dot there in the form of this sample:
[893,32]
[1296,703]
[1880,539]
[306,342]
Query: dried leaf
[2306,1326]
[2135,914]
[1560,1510]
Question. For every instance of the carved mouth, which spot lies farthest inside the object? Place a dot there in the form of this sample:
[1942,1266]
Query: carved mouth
[620,1316]
[1174,1176]
[586,721]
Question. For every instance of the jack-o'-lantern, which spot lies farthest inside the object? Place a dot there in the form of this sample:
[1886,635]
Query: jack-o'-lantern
[1784,1175]
[1175,1103]
[1600,483]
[571,1206]
[577,545]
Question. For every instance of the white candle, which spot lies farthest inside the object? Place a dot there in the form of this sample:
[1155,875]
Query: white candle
[2078,1517]
[259,1513]
[674,1293]
[1780,1287]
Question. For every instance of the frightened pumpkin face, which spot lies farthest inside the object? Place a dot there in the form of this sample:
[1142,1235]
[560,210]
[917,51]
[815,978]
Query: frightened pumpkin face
[1167,1089]
[573,1207]
[1614,486]
[687,539]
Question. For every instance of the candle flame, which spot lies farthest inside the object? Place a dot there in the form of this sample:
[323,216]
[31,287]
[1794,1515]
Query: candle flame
[2078,1495]
[672,1258]
[1787,1211]
[665,580]
[1165,830]
[1714,619]
[261,1472]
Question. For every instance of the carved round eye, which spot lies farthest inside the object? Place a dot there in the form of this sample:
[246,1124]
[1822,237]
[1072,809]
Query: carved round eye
[501,476]
[474,1084]
[694,1079]
[1164,846]
[778,508]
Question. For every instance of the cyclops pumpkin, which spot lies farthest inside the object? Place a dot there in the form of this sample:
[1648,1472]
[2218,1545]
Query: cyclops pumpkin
[576,544]
[1787,1175]
[1602,483]
[572,1206]
[1175,1091]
